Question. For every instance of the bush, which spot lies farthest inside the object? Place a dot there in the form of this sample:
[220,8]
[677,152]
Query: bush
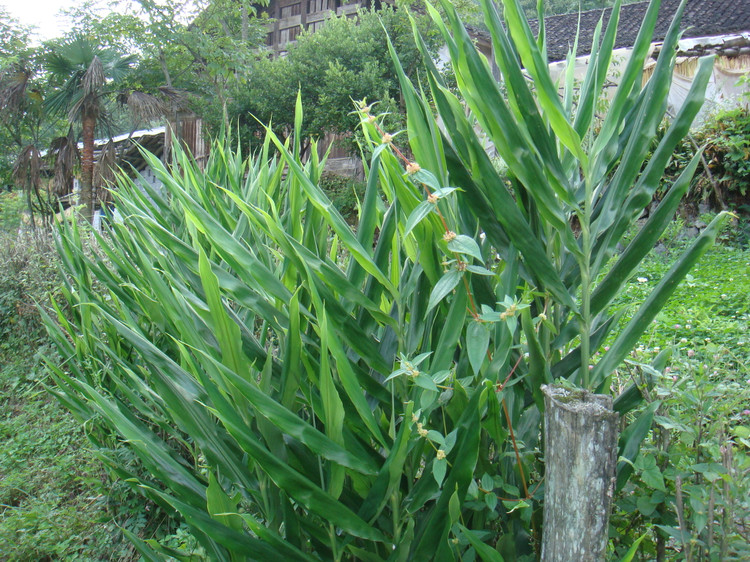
[726,137]
[12,207]
[344,192]
[28,275]
[298,390]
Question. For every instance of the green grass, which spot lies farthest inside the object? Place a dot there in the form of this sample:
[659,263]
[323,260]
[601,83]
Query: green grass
[56,500]
[52,489]
[711,306]
[698,448]
[55,503]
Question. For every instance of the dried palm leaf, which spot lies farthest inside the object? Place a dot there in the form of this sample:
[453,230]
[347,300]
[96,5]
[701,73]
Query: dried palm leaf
[145,107]
[178,99]
[27,169]
[13,89]
[67,157]
[105,170]
[94,77]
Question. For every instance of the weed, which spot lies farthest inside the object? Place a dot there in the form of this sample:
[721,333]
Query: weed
[691,486]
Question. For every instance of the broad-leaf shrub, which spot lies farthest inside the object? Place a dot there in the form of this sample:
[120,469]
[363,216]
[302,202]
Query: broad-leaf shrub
[28,276]
[299,389]
[726,141]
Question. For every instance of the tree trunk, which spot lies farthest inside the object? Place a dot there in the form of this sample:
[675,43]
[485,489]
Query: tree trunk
[245,23]
[165,68]
[580,443]
[87,166]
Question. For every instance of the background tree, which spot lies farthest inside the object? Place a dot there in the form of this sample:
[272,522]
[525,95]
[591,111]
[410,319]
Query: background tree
[26,128]
[85,76]
[192,53]
[345,60]
[15,74]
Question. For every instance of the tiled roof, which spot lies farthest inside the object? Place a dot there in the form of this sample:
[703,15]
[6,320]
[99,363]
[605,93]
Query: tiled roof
[702,18]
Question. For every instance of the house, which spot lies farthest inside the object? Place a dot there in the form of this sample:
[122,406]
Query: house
[709,27]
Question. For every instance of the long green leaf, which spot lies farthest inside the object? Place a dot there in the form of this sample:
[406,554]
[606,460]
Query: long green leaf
[656,300]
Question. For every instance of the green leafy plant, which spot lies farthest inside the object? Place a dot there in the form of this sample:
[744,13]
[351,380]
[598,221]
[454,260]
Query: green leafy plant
[298,390]
[724,172]
[728,148]
[344,192]
[28,275]
[692,494]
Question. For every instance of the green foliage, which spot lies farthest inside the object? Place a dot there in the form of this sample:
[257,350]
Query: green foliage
[192,55]
[344,192]
[52,498]
[28,274]
[346,60]
[726,137]
[298,390]
[52,502]
[21,114]
[12,208]
[699,445]
[56,501]
[728,149]
[14,37]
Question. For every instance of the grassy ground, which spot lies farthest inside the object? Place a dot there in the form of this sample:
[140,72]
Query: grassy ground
[690,494]
[52,502]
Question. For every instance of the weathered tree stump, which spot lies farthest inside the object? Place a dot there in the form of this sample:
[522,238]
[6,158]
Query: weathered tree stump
[580,444]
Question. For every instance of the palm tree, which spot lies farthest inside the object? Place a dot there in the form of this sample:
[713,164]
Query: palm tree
[85,75]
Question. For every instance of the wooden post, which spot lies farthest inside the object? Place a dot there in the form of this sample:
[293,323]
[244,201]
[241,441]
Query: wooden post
[580,444]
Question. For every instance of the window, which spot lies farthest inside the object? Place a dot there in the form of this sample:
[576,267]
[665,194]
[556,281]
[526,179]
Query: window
[316,25]
[319,6]
[269,39]
[291,10]
[288,34]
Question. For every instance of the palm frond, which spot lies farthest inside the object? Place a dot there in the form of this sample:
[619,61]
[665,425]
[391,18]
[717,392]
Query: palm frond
[93,78]
[177,98]
[27,169]
[105,171]
[13,87]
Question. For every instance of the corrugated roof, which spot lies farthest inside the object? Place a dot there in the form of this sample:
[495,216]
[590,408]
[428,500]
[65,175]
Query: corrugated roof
[135,136]
[702,18]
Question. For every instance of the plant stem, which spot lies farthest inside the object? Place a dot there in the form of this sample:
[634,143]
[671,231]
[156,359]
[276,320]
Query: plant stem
[334,549]
[586,286]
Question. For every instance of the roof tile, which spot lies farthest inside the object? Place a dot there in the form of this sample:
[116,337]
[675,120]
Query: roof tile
[702,18]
